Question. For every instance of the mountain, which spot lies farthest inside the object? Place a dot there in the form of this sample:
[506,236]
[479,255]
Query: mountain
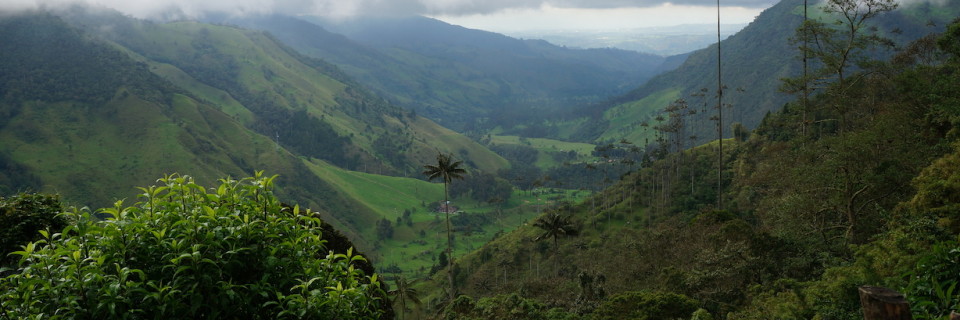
[465,79]
[95,103]
[793,224]
[754,62]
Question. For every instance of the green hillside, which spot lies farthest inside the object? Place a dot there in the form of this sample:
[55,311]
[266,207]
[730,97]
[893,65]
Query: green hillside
[754,61]
[314,108]
[111,108]
[93,147]
[805,217]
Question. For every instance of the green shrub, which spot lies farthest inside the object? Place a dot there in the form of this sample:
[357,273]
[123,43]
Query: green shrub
[933,291]
[182,252]
[21,217]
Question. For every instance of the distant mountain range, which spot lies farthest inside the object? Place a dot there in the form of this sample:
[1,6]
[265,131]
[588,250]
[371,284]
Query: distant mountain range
[464,79]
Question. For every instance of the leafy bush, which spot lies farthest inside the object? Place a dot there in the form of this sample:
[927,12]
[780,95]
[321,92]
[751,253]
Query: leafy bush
[21,216]
[933,291]
[183,252]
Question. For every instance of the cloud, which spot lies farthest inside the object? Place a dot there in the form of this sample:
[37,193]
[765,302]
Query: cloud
[194,8]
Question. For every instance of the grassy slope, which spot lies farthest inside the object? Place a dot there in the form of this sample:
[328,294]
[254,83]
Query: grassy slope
[626,119]
[546,148]
[251,64]
[388,197]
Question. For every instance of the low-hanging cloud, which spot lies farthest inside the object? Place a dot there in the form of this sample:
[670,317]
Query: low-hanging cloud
[180,9]
[168,9]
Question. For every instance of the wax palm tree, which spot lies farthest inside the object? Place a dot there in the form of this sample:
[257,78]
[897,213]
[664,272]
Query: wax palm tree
[403,293]
[555,225]
[447,170]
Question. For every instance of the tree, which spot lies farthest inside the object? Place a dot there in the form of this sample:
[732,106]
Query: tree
[555,225]
[403,293]
[844,44]
[384,229]
[446,169]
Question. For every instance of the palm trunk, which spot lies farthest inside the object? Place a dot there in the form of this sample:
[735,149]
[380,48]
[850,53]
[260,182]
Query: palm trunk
[556,245]
[446,210]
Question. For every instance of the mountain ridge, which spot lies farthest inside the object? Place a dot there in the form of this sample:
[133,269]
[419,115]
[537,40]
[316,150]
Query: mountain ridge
[467,79]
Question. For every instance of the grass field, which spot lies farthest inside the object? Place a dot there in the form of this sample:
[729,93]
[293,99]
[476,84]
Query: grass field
[547,148]
[414,248]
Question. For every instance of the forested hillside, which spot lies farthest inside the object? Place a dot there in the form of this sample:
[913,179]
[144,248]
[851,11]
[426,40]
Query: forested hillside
[753,63]
[816,202]
[468,80]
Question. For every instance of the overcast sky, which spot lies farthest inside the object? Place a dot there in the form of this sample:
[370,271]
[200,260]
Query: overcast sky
[493,15]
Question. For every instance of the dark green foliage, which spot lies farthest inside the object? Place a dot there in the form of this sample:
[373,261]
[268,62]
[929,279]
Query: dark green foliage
[384,229]
[22,216]
[950,42]
[483,186]
[516,153]
[185,252]
[306,135]
[641,305]
[43,58]
[15,176]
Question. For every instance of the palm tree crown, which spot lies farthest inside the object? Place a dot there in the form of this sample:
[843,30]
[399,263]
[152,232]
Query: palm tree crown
[445,169]
[404,293]
[555,224]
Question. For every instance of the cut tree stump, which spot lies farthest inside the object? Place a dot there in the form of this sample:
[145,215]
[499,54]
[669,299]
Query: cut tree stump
[883,304]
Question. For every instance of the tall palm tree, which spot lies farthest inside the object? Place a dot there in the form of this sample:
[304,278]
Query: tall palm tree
[403,293]
[446,169]
[555,225]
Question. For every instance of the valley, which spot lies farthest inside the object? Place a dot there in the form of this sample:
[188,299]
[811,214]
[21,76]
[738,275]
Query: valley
[593,186]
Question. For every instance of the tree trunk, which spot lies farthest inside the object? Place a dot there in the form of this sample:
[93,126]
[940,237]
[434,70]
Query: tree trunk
[446,210]
[883,304]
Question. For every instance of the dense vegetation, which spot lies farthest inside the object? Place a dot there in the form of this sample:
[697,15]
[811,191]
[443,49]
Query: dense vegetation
[855,189]
[21,216]
[185,251]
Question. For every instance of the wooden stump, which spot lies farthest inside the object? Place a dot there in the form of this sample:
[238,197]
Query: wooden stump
[954,316]
[883,304]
